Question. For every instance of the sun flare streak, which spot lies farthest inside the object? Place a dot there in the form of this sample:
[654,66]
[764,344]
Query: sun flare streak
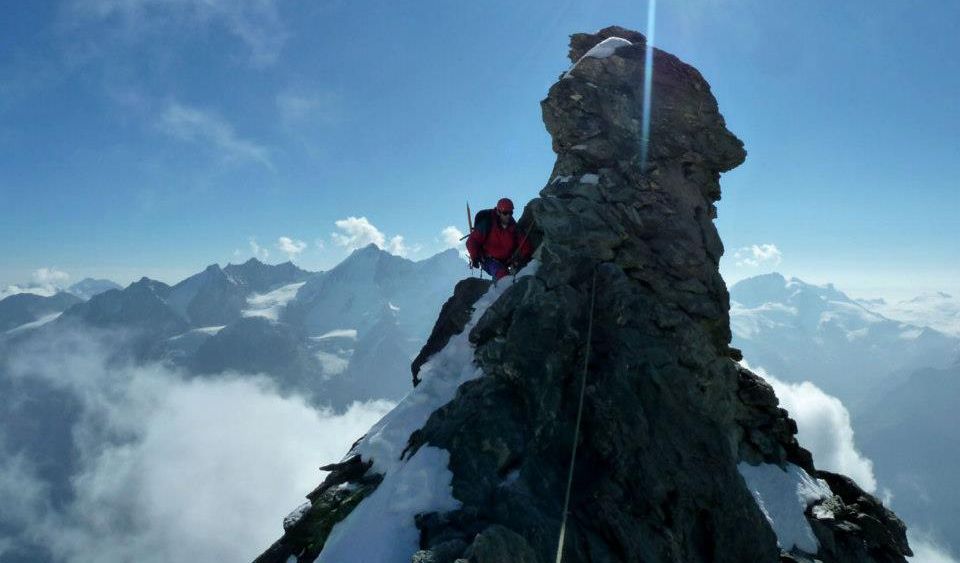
[647,82]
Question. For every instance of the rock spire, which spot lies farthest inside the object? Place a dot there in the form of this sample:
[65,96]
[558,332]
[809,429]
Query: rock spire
[678,441]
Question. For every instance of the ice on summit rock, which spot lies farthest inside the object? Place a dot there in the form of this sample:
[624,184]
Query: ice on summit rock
[601,50]
[606,48]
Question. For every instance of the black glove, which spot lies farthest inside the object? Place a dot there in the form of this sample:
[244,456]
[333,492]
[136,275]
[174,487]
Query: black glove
[474,262]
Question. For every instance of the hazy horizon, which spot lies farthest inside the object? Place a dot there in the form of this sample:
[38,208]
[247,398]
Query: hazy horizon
[143,138]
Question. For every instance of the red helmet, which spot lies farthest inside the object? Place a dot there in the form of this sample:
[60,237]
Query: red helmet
[505,205]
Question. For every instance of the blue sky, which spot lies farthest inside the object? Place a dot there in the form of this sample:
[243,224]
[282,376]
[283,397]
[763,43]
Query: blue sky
[149,137]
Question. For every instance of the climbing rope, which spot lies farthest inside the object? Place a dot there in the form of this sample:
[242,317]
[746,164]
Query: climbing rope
[576,431]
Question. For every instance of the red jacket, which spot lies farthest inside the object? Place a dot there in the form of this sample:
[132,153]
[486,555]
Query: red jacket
[498,242]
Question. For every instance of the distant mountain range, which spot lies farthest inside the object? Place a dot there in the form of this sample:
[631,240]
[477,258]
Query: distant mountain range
[333,337]
[89,287]
[84,289]
[24,309]
[337,336]
[804,332]
[899,378]
[938,310]
[350,333]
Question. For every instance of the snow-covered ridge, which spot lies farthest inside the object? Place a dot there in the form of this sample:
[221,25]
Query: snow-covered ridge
[382,528]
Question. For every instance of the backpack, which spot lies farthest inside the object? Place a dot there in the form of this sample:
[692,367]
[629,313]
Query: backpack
[483,221]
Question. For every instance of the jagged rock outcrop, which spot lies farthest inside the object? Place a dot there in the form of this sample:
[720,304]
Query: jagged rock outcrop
[259,345]
[669,420]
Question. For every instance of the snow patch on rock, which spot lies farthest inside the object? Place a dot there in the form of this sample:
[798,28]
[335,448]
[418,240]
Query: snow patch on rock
[783,496]
[332,364]
[271,303]
[350,333]
[381,529]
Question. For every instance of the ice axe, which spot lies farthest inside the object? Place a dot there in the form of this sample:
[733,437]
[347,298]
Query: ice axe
[469,231]
[469,223]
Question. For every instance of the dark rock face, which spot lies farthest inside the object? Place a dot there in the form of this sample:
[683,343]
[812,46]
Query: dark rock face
[668,415]
[140,310]
[342,490]
[258,345]
[217,297]
[260,278]
[861,528]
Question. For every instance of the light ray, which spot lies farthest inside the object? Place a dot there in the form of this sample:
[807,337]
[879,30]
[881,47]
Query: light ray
[647,83]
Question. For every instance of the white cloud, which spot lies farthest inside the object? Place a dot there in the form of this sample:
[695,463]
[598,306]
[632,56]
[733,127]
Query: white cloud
[757,255]
[398,247]
[926,549]
[357,233]
[24,494]
[42,290]
[50,276]
[824,428]
[259,252]
[256,24]
[196,126]
[292,248]
[46,283]
[450,236]
[247,453]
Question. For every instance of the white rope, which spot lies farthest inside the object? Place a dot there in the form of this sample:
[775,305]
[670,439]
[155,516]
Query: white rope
[576,432]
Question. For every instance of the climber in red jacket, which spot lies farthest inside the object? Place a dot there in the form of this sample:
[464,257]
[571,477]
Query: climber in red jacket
[495,241]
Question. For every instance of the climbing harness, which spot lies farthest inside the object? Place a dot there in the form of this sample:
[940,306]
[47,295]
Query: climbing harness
[576,431]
